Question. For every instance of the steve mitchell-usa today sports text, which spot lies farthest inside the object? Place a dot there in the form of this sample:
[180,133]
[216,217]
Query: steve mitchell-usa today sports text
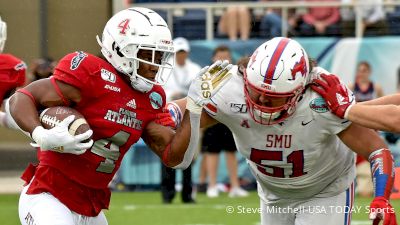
[240,209]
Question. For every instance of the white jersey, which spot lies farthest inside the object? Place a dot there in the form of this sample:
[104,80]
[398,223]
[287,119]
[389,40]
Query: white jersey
[298,158]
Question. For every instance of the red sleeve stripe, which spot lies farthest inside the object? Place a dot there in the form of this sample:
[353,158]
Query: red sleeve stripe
[58,90]
[210,107]
[27,93]
[269,75]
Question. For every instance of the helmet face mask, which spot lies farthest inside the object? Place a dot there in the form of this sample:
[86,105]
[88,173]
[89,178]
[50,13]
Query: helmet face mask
[136,30]
[275,79]
[3,34]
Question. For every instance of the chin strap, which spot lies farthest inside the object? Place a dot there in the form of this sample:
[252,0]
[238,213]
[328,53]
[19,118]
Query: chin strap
[140,84]
[382,167]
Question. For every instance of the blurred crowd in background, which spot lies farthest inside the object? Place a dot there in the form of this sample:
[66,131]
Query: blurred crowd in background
[241,23]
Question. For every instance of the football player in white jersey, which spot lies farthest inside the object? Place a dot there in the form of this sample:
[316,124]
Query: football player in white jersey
[296,148]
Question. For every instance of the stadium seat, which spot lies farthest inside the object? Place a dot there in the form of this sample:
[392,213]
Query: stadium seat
[191,25]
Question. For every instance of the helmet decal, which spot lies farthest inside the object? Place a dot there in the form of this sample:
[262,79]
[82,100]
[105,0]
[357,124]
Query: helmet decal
[300,66]
[123,26]
[253,58]
[269,75]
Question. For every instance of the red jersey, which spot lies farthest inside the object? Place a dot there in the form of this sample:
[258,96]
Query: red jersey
[116,113]
[12,74]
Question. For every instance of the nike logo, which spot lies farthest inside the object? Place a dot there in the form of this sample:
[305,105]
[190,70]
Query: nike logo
[345,121]
[305,123]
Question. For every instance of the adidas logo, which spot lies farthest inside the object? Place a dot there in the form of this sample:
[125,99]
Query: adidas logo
[341,99]
[131,104]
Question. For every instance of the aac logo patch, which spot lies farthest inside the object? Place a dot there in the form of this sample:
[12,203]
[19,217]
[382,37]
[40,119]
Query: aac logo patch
[156,100]
[319,105]
[76,61]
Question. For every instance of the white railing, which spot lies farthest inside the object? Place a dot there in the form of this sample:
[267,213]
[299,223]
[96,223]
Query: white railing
[211,7]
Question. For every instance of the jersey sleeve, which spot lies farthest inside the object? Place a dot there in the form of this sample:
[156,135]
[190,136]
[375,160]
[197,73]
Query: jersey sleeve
[12,74]
[75,69]
[12,70]
[215,108]
[220,103]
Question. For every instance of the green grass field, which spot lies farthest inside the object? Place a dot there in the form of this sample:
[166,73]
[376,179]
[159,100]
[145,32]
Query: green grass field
[145,208]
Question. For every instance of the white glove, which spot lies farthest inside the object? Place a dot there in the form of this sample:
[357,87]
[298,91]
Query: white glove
[206,84]
[60,140]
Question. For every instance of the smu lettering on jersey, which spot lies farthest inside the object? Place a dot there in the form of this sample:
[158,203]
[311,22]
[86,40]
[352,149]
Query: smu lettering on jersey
[12,74]
[298,158]
[116,113]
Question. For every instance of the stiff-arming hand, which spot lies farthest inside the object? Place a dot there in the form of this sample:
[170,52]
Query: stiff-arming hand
[207,83]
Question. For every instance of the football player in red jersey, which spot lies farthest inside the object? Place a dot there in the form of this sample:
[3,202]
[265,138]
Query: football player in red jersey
[120,98]
[12,71]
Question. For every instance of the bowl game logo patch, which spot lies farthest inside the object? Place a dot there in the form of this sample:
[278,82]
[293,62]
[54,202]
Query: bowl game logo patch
[156,100]
[319,105]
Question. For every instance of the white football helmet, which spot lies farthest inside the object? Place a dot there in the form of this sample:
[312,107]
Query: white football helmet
[275,79]
[135,29]
[3,34]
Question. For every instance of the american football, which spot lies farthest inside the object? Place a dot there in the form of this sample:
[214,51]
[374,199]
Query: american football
[50,117]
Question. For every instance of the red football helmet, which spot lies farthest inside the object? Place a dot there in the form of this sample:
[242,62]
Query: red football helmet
[275,78]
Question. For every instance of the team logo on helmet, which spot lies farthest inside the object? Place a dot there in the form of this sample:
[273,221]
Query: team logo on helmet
[156,100]
[300,66]
[253,58]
